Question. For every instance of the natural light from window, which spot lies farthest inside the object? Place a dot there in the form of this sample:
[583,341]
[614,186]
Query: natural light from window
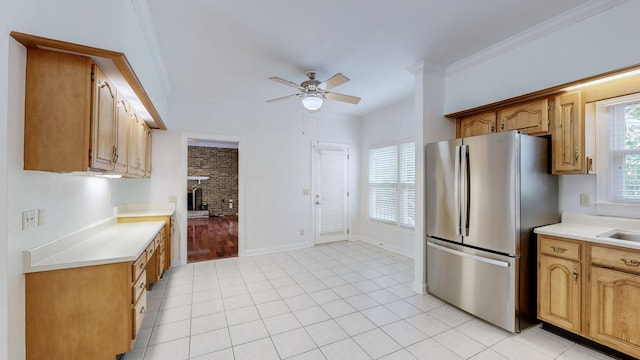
[618,122]
[392,184]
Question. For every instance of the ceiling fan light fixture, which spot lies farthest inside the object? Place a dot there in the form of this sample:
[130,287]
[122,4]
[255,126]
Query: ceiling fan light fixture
[312,102]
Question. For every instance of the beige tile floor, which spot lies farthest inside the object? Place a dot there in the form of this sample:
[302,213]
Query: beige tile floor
[346,300]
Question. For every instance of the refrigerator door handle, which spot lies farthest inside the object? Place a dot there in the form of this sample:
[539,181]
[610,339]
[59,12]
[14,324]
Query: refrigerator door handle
[464,185]
[456,190]
[503,264]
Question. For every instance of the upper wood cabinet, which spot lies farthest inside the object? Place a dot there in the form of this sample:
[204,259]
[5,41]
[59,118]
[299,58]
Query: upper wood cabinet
[531,117]
[137,146]
[75,120]
[479,124]
[568,138]
[103,122]
[122,132]
[58,108]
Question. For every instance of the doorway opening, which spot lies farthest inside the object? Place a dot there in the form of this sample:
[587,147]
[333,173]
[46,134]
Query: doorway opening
[212,199]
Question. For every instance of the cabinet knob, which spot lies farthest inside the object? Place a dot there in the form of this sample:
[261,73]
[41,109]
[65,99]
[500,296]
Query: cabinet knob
[141,265]
[576,154]
[575,274]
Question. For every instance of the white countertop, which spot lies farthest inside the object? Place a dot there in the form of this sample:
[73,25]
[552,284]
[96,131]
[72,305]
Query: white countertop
[587,228]
[111,243]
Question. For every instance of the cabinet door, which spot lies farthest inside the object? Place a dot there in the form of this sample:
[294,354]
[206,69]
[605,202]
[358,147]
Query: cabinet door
[567,139]
[478,124]
[531,117]
[122,127]
[133,158]
[614,314]
[147,153]
[142,147]
[103,122]
[559,292]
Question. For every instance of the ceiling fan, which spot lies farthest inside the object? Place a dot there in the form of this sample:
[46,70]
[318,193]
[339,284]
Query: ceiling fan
[313,92]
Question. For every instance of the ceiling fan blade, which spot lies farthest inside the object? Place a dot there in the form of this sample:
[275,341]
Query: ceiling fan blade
[283,98]
[286,82]
[333,81]
[342,97]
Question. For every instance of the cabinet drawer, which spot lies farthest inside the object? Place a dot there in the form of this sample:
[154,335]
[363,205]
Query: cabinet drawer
[138,313]
[139,265]
[559,248]
[139,286]
[151,249]
[159,238]
[623,259]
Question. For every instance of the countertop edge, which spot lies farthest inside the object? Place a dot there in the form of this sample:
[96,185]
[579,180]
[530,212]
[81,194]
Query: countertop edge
[71,256]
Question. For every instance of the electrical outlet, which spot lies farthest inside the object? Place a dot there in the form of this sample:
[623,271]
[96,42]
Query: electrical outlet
[41,216]
[28,219]
[585,200]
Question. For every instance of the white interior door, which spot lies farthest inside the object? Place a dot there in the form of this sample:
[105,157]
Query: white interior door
[330,192]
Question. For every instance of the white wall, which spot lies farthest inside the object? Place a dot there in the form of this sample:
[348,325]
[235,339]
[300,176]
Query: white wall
[387,126]
[275,158]
[4,266]
[589,47]
[71,202]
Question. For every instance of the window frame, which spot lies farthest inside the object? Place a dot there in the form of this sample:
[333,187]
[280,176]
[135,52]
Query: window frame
[607,203]
[399,187]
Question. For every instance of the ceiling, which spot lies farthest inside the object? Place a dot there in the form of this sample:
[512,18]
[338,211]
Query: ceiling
[224,51]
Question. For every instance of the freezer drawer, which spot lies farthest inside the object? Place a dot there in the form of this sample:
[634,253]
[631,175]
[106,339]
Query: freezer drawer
[479,282]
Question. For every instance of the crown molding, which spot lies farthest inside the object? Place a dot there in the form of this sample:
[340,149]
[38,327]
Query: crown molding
[143,13]
[427,67]
[541,30]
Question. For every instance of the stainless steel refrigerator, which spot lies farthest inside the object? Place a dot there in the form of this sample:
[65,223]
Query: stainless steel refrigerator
[484,196]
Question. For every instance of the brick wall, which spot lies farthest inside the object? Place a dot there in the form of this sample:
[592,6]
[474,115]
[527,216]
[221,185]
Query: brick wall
[221,166]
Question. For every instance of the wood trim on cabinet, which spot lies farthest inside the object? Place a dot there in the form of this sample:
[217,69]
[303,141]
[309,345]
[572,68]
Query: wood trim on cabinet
[118,59]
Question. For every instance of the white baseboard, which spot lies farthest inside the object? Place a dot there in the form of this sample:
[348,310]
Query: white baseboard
[276,249]
[386,246]
[420,288]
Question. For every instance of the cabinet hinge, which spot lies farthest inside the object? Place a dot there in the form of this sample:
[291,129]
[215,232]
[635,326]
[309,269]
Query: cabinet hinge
[93,76]
[89,153]
[347,194]
[348,231]
[347,156]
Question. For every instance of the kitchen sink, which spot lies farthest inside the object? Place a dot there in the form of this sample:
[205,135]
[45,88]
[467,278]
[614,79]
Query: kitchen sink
[621,235]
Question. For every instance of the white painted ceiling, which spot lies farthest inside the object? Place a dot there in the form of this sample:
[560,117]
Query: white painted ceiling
[225,50]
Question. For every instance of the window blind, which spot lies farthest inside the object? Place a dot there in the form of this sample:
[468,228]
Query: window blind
[383,164]
[624,149]
[407,180]
[392,184]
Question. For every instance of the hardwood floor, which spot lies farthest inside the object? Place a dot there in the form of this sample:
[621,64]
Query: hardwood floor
[212,238]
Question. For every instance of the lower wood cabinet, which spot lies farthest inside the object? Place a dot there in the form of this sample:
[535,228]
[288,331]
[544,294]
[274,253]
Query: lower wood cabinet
[593,292]
[559,292]
[614,318]
[91,312]
[167,238]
